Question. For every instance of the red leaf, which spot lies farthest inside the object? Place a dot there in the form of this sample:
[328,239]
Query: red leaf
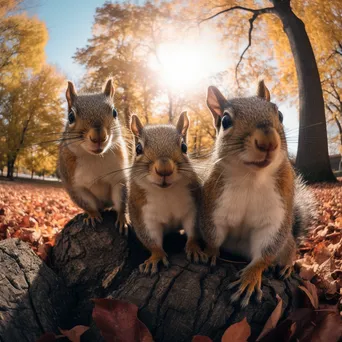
[238,332]
[74,334]
[327,329]
[118,321]
[199,338]
[273,319]
[311,291]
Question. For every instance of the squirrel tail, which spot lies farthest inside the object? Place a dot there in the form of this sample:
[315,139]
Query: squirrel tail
[304,210]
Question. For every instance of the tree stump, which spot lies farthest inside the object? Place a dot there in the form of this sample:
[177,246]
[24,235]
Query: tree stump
[177,303]
[33,300]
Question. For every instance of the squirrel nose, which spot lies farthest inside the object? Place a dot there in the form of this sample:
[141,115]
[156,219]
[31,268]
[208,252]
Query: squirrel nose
[97,136]
[164,167]
[265,146]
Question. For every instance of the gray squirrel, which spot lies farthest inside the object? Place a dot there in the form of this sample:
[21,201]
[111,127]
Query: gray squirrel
[253,204]
[92,145]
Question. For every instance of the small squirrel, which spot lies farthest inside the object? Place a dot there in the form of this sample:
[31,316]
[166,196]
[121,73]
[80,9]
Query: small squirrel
[253,204]
[92,155]
[164,189]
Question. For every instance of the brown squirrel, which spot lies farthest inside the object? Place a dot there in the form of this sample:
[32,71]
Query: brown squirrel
[92,145]
[164,190]
[253,204]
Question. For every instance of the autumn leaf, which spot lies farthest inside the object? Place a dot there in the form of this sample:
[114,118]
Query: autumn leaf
[118,321]
[74,334]
[272,320]
[311,291]
[238,332]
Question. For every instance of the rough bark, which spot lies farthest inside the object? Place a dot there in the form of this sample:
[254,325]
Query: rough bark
[312,156]
[176,304]
[33,299]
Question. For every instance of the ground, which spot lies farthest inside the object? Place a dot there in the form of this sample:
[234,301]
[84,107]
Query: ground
[35,211]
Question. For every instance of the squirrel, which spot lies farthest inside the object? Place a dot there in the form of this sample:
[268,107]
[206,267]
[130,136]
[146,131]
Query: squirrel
[253,204]
[92,155]
[164,190]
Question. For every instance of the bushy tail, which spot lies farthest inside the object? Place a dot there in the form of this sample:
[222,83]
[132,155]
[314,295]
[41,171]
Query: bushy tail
[305,209]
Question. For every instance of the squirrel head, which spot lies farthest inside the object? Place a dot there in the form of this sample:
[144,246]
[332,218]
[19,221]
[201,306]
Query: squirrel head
[161,152]
[250,131]
[92,118]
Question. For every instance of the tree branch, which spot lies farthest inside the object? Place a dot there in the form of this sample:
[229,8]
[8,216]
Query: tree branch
[256,13]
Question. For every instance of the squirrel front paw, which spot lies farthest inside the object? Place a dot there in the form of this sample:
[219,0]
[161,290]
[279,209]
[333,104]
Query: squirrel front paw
[286,271]
[250,281]
[122,222]
[211,254]
[194,252]
[91,218]
[151,264]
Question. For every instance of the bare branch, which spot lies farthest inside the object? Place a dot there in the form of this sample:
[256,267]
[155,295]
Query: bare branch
[256,13]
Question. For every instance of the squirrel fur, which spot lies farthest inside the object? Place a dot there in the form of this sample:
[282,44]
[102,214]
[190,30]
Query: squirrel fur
[92,155]
[164,190]
[251,202]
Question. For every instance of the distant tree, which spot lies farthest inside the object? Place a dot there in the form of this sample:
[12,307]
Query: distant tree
[31,113]
[124,37]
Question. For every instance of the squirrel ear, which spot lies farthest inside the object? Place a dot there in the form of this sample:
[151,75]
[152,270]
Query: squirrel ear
[71,94]
[109,88]
[263,92]
[183,124]
[216,102]
[136,125]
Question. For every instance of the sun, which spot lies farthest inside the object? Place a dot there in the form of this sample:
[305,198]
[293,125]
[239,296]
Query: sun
[183,65]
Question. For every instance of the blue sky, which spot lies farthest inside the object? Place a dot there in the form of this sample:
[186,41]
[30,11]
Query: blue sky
[69,23]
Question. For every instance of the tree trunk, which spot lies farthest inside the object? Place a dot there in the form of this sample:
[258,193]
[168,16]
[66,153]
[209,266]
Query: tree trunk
[10,167]
[32,173]
[178,303]
[33,299]
[312,156]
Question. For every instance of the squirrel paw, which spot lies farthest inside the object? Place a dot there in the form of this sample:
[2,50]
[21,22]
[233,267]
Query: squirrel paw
[122,223]
[250,281]
[194,252]
[92,218]
[211,254]
[286,271]
[150,266]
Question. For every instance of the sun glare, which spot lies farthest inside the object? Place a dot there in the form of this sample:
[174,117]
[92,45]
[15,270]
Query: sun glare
[184,65]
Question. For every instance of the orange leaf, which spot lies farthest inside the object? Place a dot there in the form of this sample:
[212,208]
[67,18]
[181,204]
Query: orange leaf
[273,319]
[74,334]
[311,291]
[118,321]
[238,332]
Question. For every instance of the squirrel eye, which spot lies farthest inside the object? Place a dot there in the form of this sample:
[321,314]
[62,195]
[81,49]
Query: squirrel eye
[184,147]
[71,117]
[227,121]
[139,149]
[281,118]
[115,113]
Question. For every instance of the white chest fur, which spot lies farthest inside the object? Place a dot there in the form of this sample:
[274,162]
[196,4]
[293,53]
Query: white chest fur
[165,206]
[249,208]
[98,173]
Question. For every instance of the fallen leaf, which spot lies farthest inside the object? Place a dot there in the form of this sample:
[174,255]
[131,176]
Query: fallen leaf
[118,321]
[311,291]
[272,320]
[74,334]
[238,332]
